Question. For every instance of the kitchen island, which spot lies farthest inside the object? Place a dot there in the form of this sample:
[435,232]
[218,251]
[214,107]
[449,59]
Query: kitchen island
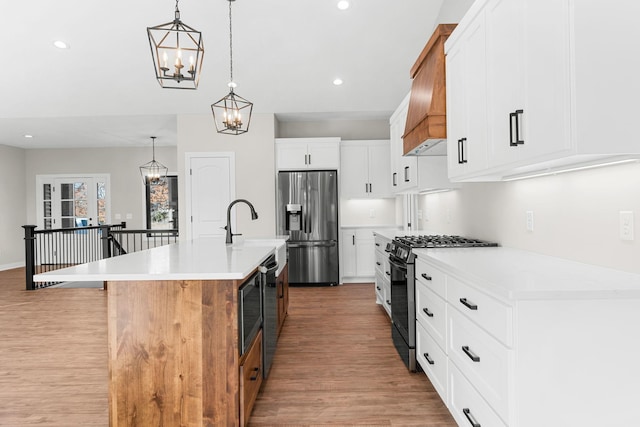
[174,350]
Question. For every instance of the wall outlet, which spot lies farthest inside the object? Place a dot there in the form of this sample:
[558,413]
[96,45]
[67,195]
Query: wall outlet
[129,216]
[626,225]
[529,220]
[372,213]
[117,217]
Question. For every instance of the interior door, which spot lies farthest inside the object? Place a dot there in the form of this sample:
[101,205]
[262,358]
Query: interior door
[211,190]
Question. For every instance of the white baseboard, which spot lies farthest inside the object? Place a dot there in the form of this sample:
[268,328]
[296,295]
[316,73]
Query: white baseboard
[11,266]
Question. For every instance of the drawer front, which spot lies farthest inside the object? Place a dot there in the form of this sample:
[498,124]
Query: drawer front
[433,361]
[432,277]
[431,312]
[379,288]
[466,405]
[489,313]
[485,362]
[250,379]
[381,258]
[380,242]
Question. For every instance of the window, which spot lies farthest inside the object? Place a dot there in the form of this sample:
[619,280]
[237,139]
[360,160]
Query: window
[72,201]
[162,203]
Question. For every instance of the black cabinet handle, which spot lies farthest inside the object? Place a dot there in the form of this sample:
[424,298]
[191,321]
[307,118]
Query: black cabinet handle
[425,277]
[461,157]
[388,302]
[395,179]
[406,174]
[353,239]
[377,244]
[378,287]
[256,372]
[470,353]
[515,138]
[468,304]
[387,273]
[470,417]
[377,263]
[427,312]
[370,188]
[429,360]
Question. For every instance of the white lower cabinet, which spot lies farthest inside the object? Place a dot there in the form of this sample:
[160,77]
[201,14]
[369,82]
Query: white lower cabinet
[357,249]
[382,273]
[519,352]
[467,405]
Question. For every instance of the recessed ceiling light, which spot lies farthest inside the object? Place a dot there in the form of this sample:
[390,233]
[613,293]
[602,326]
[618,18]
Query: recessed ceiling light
[28,136]
[337,82]
[60,44]
[343,5]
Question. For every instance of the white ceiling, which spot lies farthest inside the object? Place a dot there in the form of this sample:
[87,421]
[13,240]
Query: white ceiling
[102,91]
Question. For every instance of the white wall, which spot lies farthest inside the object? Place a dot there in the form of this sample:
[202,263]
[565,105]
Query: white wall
[122,163]
[345,129]
[452,11]
[12,206]
[358,212]
[576,215]
[255,166]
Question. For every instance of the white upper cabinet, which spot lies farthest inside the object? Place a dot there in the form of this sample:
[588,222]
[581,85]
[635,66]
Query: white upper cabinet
[404,169]
[550,99]
[307,153]
[467,100]
[364,169]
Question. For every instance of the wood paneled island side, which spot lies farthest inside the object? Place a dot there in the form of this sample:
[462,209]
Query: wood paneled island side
[174,356]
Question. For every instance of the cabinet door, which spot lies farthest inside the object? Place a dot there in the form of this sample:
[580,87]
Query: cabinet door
[324,155]
[354,176]
[379,169]
[396,130]
[365,253]
[348,244]
[505,79]
[291,155]
[547,103]
[466,95]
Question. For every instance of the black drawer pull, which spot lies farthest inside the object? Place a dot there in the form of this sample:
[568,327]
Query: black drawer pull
[378,287]
[377,263]
[470,353]
[388,302]
[468,304]
[424,275]
[377,244]
[470,417]
[429,360]
[388,273]
[256,372]
[427,312]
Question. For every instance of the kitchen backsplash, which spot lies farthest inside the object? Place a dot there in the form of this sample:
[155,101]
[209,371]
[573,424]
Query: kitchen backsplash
[574,215]
[372,212]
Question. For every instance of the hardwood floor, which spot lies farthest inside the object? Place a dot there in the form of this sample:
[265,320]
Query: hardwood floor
[335,364]
[53,355]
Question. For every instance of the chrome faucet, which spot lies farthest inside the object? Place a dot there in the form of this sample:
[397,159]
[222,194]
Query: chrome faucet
[254,216]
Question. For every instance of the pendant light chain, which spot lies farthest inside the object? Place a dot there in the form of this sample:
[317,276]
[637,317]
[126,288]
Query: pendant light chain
[230,46]
[153,147]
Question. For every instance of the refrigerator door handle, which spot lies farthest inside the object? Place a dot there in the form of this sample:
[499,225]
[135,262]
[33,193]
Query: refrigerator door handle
[312,244]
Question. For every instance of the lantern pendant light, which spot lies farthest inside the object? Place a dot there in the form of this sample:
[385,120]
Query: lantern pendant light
[153,171]
[232,113]
[172,44]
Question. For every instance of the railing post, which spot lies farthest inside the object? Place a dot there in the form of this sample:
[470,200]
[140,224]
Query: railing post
[105,236]
[29,255]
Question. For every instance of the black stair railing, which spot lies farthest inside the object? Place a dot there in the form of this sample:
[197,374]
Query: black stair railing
[48,250]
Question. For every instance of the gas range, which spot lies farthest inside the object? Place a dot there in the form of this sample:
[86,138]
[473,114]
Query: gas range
[400,248]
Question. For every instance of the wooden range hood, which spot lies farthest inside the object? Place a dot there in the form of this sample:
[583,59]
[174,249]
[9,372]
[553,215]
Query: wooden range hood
[427,116]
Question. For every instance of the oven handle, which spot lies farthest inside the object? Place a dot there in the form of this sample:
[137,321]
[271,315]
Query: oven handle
[398,265]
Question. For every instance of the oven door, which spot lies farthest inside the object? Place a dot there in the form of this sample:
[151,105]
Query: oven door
[399,297]
[403,316]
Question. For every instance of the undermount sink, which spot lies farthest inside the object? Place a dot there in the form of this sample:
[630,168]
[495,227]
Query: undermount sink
[279,244]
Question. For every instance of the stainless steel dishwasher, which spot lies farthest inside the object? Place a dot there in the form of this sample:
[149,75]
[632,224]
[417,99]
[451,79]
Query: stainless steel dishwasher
[269,313]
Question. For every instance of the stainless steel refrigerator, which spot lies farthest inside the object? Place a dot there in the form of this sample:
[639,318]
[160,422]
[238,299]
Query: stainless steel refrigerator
[307,211]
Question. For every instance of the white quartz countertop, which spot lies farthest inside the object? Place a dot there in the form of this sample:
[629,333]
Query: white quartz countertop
[200,259]
[514,274]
